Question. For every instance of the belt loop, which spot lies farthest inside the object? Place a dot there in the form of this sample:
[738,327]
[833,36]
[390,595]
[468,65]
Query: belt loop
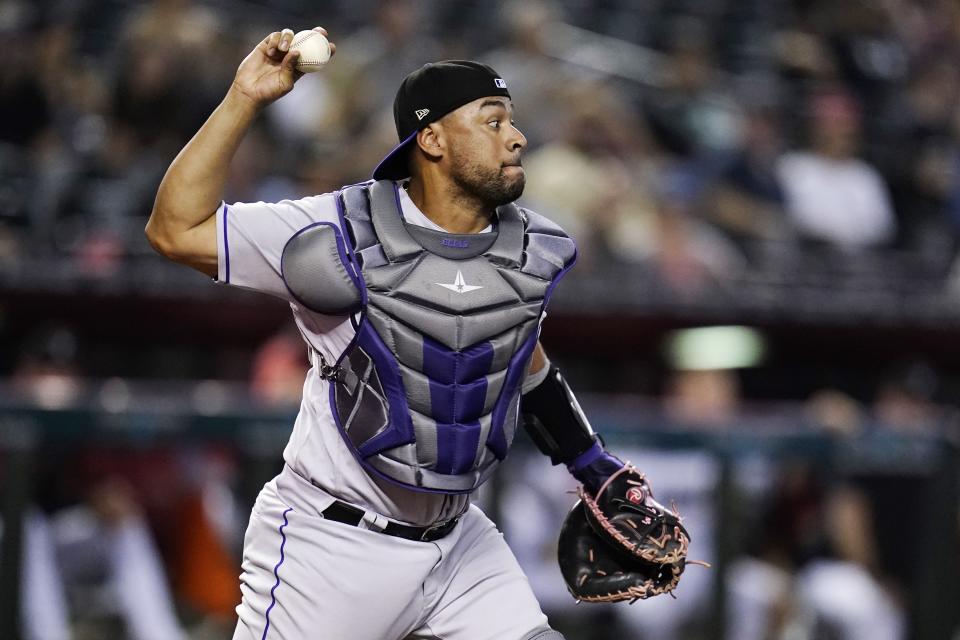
[374,521]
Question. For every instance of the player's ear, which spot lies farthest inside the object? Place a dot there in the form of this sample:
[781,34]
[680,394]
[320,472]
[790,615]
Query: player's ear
[430,141]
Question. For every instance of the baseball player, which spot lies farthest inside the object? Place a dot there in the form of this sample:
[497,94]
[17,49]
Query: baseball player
[420,296]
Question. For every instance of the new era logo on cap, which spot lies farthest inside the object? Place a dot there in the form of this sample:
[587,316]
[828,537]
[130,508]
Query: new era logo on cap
[421,113]
[500,83]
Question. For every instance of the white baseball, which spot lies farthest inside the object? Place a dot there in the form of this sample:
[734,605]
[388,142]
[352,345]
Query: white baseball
[314,50]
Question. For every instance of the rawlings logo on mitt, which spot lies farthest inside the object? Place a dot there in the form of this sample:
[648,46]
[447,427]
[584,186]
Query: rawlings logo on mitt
[621,544]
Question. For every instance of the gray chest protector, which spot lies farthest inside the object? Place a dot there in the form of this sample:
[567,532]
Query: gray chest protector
[427,393]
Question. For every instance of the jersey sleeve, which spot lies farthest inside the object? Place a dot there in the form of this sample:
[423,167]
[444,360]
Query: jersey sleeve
[251,237]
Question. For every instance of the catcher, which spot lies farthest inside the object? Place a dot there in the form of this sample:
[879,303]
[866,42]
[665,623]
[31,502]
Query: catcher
[617,543]
[420,296]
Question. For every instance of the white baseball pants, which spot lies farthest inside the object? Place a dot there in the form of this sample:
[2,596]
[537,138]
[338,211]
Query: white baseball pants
[307,578]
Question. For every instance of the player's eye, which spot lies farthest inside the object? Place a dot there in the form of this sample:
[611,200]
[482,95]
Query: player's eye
[494,123]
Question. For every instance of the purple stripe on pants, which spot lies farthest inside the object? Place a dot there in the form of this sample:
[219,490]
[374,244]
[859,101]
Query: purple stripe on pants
[276,573]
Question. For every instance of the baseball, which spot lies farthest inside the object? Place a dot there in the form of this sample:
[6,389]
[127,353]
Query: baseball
[314,50]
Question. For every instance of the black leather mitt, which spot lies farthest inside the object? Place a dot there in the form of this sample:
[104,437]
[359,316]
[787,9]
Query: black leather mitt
[596,570]
[621,544]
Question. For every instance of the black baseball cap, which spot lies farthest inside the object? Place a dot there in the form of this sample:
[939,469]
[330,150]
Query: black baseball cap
[428,94]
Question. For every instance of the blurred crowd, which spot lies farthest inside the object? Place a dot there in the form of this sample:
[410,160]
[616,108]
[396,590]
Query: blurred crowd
[696,140]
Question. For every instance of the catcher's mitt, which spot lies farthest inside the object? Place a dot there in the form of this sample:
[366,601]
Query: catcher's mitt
[597,571]
[621,544]
[625,513]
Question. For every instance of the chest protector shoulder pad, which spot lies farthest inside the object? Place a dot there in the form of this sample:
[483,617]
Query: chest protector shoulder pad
[427,394]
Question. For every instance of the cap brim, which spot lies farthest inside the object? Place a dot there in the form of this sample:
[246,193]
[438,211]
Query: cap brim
[394,166]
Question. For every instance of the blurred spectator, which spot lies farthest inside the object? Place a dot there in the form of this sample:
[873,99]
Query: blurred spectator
[704,398]
[689,255]
[836,412]
[761,603]
[747,200]
[46,372]
[207,534]
[832,196]
[846,592]
[595,177]
[279,366]
[812,571]
[905,400]
[916,150]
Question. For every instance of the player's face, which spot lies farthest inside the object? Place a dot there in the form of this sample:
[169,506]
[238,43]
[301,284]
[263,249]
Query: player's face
[484,151]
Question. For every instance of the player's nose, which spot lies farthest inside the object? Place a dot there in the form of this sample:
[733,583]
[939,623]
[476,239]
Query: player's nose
[517,141]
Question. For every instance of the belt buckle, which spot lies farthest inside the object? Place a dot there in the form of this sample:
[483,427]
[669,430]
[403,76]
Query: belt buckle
[436,527]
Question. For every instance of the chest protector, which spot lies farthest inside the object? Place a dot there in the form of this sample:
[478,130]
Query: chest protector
[427,393]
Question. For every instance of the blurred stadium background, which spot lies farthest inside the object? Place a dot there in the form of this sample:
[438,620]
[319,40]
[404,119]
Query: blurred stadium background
[765,316]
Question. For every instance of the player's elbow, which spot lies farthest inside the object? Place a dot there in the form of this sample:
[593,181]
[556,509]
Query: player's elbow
[161,241]
[194,247]
[170,245]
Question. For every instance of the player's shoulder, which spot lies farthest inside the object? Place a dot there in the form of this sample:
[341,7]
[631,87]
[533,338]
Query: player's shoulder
[322,204]
[319,207]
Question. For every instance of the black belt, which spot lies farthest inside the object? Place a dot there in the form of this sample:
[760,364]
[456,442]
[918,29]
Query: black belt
[348,514]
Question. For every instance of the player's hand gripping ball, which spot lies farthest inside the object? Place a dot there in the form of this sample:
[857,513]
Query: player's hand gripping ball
[314,50]
[621,544]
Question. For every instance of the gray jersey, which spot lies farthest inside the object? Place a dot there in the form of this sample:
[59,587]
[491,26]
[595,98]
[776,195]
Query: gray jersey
[250,242]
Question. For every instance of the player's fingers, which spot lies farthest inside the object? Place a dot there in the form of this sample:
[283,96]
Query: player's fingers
[286,37]
[333,47]
[290,61]
[269,45]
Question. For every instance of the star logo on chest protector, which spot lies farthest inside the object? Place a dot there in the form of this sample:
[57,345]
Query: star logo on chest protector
[459,284]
